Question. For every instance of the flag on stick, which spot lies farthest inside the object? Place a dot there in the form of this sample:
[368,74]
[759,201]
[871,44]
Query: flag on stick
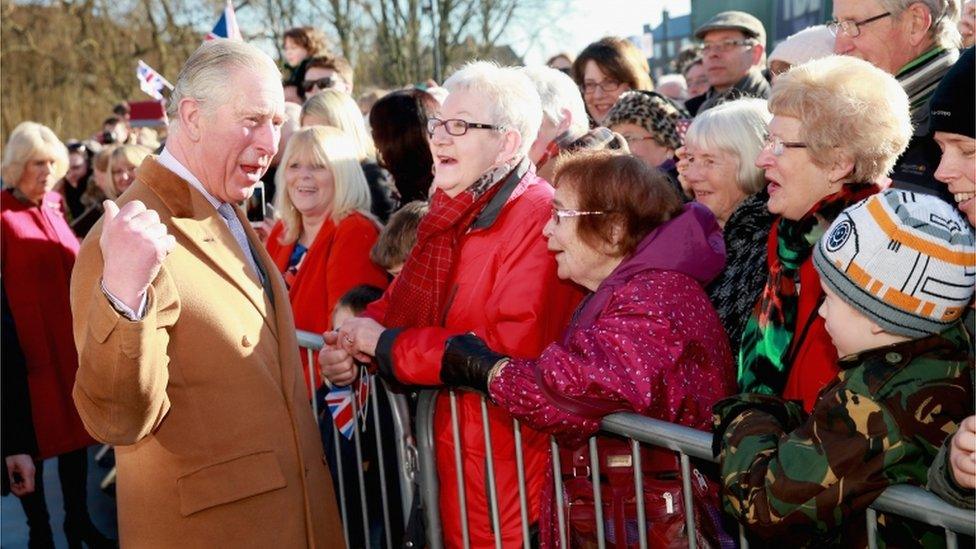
[339,401]
[151,81]
[226,26]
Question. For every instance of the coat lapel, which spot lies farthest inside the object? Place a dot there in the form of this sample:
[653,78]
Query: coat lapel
[197,220]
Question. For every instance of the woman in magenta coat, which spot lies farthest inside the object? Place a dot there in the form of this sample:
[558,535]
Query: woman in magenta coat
[647,340]
[38,252]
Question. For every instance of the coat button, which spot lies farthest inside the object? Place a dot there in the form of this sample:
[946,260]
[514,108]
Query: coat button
[245,341]
[893,357]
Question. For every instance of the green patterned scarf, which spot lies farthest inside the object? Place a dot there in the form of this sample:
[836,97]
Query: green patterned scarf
[769,331]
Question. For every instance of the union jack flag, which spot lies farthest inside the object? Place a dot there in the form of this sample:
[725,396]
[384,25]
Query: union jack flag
[339,401]
[151,81]
[226,26]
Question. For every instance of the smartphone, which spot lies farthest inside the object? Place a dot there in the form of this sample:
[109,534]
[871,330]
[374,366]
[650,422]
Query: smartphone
[255,205]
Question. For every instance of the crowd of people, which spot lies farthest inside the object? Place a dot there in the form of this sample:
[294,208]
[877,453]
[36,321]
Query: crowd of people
[776,248]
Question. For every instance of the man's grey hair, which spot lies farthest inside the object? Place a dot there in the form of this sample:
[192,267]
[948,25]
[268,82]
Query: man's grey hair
[945,17]
[206,73]
[558,91]
[512,99]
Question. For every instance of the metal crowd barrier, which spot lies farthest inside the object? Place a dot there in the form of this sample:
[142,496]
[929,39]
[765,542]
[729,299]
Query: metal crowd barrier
[904,501]
[417,470]
[401,441]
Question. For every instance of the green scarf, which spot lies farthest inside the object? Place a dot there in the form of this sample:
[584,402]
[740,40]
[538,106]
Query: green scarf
[769,332]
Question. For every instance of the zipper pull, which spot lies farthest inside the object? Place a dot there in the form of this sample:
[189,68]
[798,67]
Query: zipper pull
[669,502]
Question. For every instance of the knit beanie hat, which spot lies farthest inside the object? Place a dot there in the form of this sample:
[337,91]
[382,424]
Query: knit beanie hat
[651,111]
[951,105]
[808,44]
[906,261]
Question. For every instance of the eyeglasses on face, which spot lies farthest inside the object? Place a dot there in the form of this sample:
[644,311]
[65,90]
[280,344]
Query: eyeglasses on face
[638,138]
[608,86]
[723,46]
[850,27]
[777,146]
[559,213]
[321,83]
[456,126]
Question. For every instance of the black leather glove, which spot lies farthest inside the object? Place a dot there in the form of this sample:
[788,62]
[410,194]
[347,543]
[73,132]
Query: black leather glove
[467,362]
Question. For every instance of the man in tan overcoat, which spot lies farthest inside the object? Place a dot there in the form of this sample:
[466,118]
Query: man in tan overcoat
[189,362]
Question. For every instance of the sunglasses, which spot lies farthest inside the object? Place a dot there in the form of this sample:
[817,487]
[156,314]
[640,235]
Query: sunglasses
[321,83]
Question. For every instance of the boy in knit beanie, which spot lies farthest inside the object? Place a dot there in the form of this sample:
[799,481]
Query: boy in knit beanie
[898,270]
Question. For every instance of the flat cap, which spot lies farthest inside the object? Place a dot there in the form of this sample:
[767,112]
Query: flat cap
[734,20]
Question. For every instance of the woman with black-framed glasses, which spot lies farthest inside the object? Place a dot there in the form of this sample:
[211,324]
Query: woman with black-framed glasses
[480,265]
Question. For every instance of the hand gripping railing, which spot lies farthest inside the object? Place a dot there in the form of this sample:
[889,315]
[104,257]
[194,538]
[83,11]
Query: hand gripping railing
[401,440]
[905,501]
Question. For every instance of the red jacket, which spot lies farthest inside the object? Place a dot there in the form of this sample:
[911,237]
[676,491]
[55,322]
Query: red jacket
[815,357]
[506,291]
[337,261]
[38,252]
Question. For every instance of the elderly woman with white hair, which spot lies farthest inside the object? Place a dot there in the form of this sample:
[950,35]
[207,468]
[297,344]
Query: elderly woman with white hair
[39,251]
[838,125]
[565,126]
[480,265]
[721,146]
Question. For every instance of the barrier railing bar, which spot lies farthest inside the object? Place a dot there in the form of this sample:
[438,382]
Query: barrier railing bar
[354,398]
[459,471]
[428,468]
[557,488]
[743,541]
[951,541]
[597,495]
[520,471]
[311,379]
[639,493]
[343,504]
[492,493]
[688,497]
[381,462]
[871,518]
[902,500]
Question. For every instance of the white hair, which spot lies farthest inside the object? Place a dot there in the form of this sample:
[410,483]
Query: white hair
[31,141]
[206,73]
[738,128]
[513,102]
[558,91]
[945,18]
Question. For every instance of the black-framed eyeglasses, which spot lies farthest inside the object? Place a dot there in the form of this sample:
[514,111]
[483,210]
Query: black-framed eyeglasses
[559,213]
[457,127]
[850,27]
[608,86]
[321,83]
[726,45]
[777,146]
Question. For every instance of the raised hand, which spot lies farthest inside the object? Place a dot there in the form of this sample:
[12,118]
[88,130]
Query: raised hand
[134,244]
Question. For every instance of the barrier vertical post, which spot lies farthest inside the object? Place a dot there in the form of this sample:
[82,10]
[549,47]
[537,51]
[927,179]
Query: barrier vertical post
[520,470]
[492,493]
[384,497]
[557,487]
[459,470]
[689,501]
[597,496]
[639,493]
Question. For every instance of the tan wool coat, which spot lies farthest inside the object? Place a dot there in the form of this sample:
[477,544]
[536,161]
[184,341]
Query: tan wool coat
[216,445]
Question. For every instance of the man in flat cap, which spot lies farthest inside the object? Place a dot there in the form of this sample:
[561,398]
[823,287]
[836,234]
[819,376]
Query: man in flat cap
[733,53]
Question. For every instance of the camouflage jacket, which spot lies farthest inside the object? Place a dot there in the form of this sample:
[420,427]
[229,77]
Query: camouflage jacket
[881,422]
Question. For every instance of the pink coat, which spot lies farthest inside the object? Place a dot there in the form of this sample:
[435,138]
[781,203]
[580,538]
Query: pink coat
[647,341]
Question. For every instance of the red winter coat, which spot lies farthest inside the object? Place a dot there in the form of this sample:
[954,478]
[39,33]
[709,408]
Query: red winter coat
[38,252]
[506,291]
[337,261]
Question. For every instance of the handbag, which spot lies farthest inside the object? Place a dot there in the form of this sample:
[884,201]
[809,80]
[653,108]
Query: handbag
[664,506]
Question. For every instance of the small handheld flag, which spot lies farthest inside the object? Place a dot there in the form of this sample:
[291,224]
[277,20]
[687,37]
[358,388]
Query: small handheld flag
[339,401]
[151,81]
[226,26]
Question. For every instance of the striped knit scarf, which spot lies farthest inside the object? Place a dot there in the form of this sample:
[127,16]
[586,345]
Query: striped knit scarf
[768,334]
[919,79]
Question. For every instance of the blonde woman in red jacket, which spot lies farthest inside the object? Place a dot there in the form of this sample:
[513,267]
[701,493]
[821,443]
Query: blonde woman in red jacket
[321,242]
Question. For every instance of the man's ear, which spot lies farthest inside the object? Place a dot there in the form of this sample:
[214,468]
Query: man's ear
[191,116]
[918,23]
[757,54]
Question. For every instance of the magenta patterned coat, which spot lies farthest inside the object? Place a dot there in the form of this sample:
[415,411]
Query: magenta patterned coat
[646,341]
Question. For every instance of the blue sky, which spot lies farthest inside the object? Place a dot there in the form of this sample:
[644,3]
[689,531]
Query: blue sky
[585,21]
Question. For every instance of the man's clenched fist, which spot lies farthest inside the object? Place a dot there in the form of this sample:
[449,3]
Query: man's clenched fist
[134,244]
